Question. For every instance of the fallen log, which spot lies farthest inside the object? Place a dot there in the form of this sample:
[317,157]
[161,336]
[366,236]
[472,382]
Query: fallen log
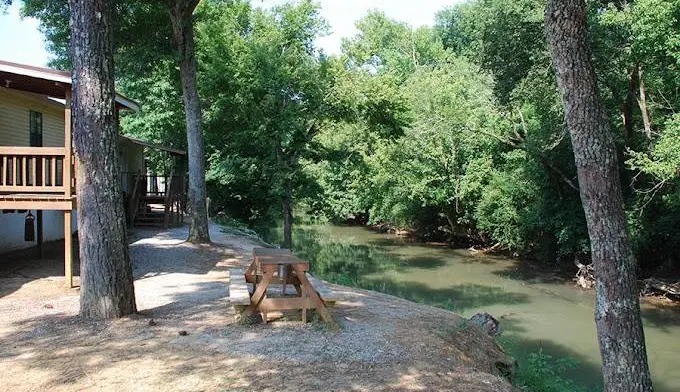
[653,286]
[487,250]
[585,276]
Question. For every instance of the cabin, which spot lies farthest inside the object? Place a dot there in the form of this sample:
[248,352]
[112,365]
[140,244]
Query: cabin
[38,169]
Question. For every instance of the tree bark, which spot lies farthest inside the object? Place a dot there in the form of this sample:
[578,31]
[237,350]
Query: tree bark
[617,310]
[627,109]
[181,16]
[106,282]
[642,102]
[284,166]
[287,207]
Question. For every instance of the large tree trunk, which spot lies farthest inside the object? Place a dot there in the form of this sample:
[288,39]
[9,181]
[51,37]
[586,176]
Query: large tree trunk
[106,287]
[181,15]
[617,311]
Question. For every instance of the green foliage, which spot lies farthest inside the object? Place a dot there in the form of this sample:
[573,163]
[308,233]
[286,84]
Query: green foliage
[266,88]
[502,209]
[663,162]
[503,36]
[455,131]
[541,372]
[384,45]
[427,168]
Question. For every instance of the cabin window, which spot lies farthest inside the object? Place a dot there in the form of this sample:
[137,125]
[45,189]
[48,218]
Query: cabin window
[36,129]
[36,140]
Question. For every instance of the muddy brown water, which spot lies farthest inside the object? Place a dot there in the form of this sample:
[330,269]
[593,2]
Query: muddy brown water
[539,311]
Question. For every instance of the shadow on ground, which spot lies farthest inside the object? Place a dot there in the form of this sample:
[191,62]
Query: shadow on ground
[69,354]
[23,266]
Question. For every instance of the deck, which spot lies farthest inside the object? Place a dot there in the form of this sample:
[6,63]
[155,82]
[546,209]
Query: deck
[37,201]
[37,178]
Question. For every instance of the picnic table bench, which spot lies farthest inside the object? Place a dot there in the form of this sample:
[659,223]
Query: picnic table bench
[279,266]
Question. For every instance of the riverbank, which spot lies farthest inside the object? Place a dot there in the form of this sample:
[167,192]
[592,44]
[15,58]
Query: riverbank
[541,311]
[385,343]
[660,288]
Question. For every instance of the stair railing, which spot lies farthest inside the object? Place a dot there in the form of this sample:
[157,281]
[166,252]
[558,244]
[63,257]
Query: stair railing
[168,199]
[134,199]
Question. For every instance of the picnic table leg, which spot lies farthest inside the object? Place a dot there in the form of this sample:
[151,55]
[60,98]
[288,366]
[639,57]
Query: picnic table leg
[259,294]
[300,293]
[304,308]
[251,272]
[251,268]
[309,290]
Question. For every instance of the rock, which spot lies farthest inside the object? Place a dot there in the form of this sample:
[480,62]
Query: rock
[152,323]
[506,369]
[486,323]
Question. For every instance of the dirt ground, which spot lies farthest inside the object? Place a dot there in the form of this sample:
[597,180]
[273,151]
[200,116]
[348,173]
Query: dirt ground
[384,344]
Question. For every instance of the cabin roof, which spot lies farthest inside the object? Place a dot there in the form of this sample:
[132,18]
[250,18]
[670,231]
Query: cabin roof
[170,150]
[50,82]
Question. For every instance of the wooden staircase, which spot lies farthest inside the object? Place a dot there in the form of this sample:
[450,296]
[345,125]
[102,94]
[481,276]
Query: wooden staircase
[149,218]
[157,201]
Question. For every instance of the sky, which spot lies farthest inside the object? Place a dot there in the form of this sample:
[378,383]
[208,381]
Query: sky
[22,42]
[20,39]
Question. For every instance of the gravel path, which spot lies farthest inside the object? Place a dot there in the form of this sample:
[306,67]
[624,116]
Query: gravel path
[385,343]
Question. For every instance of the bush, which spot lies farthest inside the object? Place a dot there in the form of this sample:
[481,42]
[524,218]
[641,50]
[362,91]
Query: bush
[543,373]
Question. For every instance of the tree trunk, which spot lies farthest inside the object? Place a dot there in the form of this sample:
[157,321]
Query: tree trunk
[181,15]
[627,109]
[287,207]
[642,102]
[106,287]
[617,310]
[284,164]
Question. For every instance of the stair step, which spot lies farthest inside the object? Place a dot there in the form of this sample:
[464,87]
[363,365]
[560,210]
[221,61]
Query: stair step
[149,220]
[149,224]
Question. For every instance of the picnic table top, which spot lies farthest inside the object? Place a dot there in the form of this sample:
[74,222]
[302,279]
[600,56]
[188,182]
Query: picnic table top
[280,259]
[270,251]
[275,256]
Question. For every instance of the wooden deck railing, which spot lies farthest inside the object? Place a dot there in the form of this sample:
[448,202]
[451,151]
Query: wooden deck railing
[163,184]
[34,170]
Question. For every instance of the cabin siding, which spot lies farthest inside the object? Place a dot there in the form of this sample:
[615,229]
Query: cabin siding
[12,231]
[131,161]
[15,107]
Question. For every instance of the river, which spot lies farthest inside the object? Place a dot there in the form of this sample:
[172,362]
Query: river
[538,310]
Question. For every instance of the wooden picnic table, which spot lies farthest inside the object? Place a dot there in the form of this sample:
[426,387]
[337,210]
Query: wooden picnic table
[271,265]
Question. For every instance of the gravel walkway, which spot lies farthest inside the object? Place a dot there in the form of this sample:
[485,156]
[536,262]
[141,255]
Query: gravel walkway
[385,343]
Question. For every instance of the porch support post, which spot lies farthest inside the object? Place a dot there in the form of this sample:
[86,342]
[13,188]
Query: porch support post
[68,250]
[39,220]
[68,150]
[68,183]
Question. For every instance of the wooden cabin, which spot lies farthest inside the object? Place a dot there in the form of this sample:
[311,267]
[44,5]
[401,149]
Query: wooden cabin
[38,169]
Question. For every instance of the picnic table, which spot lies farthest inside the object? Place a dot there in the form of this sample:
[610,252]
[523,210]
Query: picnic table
[272,265]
